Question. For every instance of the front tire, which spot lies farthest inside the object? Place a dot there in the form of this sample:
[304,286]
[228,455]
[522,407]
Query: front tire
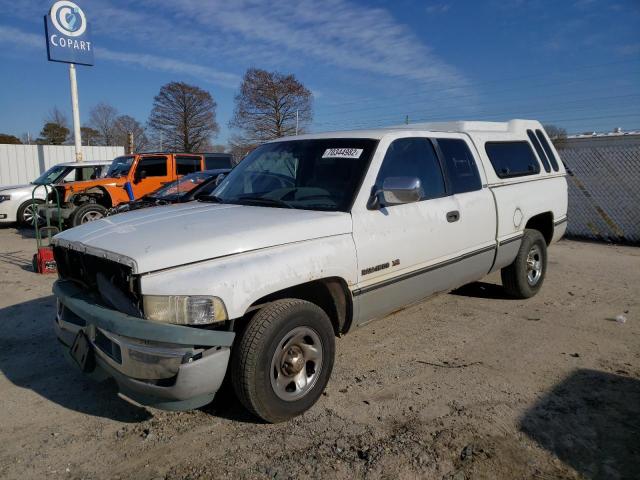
[88,213]
[525,276]
[27,213]
[283,360]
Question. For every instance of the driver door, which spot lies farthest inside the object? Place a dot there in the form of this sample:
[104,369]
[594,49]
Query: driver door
[397,244]
[151,173]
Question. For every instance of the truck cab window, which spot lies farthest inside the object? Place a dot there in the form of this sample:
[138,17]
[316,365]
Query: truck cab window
[414,157]
[87,173]
[512,159]
[539,150]
[153,166]
[186,165]
[460,165]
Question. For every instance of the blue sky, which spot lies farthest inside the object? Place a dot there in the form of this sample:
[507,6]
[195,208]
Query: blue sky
[574,63]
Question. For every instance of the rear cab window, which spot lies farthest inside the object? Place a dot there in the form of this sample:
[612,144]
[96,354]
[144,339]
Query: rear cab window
[461,167]
[512,159]
[548,150]
[215,162]
[186,164]
[541,154]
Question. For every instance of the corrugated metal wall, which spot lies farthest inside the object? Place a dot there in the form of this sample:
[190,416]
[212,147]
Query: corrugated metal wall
[604,187]
[22,163]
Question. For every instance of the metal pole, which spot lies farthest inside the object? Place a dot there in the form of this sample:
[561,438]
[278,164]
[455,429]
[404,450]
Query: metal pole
[296,121]
[75,109]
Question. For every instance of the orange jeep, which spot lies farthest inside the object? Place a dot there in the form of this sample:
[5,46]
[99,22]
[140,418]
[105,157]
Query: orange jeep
[129,177]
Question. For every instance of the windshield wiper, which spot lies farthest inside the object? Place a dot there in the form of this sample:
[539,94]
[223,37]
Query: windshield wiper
[210,198]
[264,201]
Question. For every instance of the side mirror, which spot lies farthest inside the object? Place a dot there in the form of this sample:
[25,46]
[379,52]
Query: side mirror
[219,178]
[396,191]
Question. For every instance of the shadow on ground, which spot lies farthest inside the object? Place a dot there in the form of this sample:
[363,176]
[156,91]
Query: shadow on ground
[590,421]
[31,357]
[482,290]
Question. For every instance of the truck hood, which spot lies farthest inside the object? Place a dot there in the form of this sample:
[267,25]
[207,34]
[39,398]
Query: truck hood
[169,236]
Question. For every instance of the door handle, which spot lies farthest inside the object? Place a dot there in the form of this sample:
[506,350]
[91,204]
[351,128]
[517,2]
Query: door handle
[453,216]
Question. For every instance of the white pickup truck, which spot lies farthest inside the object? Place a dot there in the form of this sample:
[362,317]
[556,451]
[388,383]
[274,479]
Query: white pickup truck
[306,239]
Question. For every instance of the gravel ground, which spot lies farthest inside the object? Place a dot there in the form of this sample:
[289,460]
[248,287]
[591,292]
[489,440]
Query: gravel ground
[466,385]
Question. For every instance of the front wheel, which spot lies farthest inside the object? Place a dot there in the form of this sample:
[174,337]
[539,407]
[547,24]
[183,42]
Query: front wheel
[88,213]
[283,360]
[524,277]
[27,214]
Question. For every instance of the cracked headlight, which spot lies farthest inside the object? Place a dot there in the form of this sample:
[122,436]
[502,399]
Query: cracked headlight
[183,309]
[5,198]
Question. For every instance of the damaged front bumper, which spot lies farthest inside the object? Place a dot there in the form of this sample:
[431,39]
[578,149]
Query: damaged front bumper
[166,366]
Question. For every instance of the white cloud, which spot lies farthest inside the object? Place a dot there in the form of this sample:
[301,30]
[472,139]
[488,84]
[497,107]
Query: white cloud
[336,32]
[20,38]
[28,40]
[163,64]
[438,8]
[629,49]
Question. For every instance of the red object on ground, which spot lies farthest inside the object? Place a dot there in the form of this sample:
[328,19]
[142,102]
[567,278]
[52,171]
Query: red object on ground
[43,261]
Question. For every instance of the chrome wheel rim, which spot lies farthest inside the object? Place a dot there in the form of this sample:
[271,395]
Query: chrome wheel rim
[30,214]
[296,364]
[534,265]
[90,217]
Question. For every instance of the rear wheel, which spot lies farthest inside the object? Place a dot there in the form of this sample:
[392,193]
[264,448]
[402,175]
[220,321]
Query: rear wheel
[524,277]
[28,213]
[283,360]
[88,213]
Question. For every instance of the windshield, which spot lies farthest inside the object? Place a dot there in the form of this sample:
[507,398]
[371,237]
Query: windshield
[120,166]
[180,187]
[316,174]
[52,175]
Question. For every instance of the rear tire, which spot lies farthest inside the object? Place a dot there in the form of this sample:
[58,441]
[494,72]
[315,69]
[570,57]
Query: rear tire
[88,213]
[283,360]
[27,214]
[525,276]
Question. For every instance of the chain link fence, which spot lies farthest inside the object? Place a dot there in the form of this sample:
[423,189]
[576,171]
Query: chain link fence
[604,187]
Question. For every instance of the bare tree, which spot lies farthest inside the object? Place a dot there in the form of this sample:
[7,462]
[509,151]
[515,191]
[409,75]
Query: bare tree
[90,136]
[102,117]
[555,132]
[270,105]
[240,147]
[184,116]
[26,138]
[217,148]
[123,126]
[57,117]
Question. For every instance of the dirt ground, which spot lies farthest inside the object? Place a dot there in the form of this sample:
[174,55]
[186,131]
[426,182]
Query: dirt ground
[467,385]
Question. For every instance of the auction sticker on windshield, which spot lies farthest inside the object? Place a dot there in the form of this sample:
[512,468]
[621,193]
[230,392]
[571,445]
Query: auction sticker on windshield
[342,153]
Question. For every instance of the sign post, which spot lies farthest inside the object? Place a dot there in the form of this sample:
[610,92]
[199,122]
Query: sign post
[69,41]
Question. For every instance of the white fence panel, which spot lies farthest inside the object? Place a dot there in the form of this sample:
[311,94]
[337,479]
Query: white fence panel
[22,163]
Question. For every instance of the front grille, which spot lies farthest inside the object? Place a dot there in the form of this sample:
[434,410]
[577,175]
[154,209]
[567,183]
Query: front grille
[85,270]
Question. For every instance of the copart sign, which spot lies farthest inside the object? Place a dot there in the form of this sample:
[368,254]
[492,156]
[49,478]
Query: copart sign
[68,35]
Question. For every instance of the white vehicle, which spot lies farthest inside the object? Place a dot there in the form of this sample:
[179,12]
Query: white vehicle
[306,239]
[16,204]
